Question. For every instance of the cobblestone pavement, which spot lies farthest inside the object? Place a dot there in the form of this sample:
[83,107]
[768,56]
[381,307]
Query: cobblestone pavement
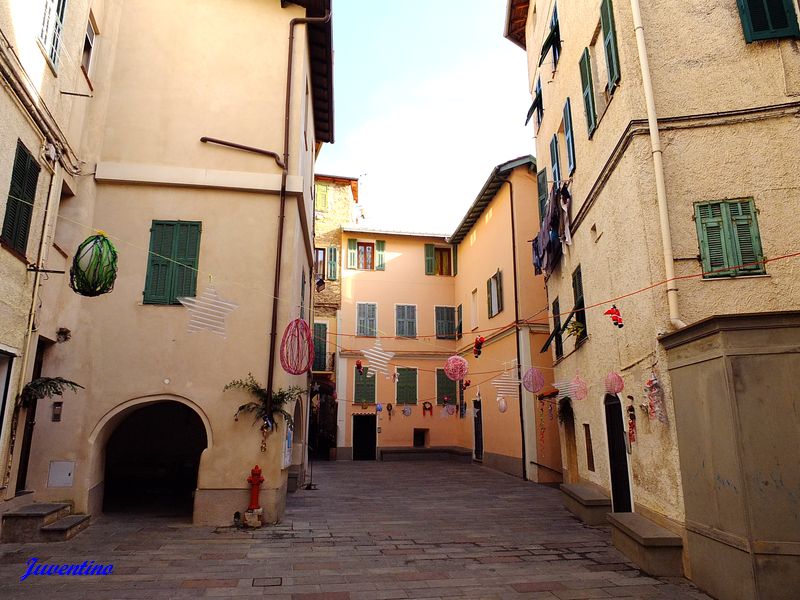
[370,531]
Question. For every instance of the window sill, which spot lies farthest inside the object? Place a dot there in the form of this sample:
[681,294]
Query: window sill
[362,335]
[14,252]
[731,277]
[578,346]
[47,59]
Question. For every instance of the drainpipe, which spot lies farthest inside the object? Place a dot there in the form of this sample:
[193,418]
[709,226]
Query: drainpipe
[282,215]
[658,167]
[516,332]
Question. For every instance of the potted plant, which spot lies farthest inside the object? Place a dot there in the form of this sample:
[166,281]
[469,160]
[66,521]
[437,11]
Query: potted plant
[46,387]
[266,406]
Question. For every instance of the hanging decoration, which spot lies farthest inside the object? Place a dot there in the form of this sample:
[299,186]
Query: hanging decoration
[378,359]
[451,410]
[406,411]
[379,407]
[463,385]
[360,368]
[614,383]
[533,380]
[297,348]
[655,399]
[208,311]
[580,390]
[631,424]
[506,385]
[502,405]
[94,266]
[456,368]
[427,407]
[390,410]
[477,347]
[616,317]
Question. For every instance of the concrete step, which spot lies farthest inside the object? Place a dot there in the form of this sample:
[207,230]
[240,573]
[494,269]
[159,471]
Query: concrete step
[24,524]
[66,528]
[654,549]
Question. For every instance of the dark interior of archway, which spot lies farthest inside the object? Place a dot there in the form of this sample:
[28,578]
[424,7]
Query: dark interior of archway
[152,459]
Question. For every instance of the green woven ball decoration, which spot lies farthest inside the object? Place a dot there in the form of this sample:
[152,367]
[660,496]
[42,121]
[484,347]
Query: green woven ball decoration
[94,266]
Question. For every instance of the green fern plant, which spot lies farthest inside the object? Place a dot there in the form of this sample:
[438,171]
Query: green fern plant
[46,387]
[265,407]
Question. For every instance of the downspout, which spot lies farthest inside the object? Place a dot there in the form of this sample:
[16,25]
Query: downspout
[516,332]
[658,167]
[282,215]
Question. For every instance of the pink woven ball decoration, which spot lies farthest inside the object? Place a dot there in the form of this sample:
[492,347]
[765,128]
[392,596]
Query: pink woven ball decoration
[456,368]
[581,390]
[297,348]
[533,380]
[614,383]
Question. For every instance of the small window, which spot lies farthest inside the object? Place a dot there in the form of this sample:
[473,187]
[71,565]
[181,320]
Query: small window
[587,433]
[610,45]
[52,25]
[445,322]
[406,388]
[321,197]
[730,243]
[364,386]
[578,309]
[173,261]
[557,329]
[366,256]
[333,263]
[406,320]
[553,41]
[366,319]
[319,262]
[473,316]
[768,19]
[494,293]
[445,388]
[88,48]
[21,197]
[438,261]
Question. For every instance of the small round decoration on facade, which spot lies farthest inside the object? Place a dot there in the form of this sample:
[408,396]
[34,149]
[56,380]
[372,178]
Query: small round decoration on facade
[379,407]
[502,405]
[533,380]
[614,383]
[580,390]
[451,410]
[297,348]
[94,266]
[406,411]
[456,368]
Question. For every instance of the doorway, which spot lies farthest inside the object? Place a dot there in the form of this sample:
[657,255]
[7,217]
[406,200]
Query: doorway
[571,448]
[478,426]
[617,455]
[30,419]
[365,438]
[152,459]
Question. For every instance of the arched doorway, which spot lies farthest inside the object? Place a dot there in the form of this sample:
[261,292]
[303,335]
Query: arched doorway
[152,458]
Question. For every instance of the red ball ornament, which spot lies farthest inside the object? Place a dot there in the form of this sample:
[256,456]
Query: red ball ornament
[456,368]
[297,348]
[533,380]
[614,383]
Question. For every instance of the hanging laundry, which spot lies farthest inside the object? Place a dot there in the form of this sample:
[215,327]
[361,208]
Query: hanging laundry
[565,202]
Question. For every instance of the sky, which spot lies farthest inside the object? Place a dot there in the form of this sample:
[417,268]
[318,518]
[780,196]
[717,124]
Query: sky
[428,97]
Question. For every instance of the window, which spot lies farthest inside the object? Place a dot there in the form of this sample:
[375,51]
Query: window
[541,180]
[555,161]
[320,347]
[445,388]
[473,317]
[438,261]
[587,433]
[333,263]
[588,91]
[406,388]
[578,309]
[729,239]
[366,253]
[569,137]
[459,322]
[610,45]
[557,329]
[319,262]
[768,19]
[445,322]
[172,262]
[52,24]
[364,386]
[494,293]
[21,196]
[406,324]
[88,47]
[366,256]
[552,41]
[366,319]
[320,197]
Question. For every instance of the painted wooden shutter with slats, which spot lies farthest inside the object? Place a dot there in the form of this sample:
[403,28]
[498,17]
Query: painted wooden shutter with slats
[747,242]
[588,91]
[333,263]
[352,253]
[455,260]
[21,197]
[406,386]
[445,322]
[610,44]
[555,162]
[459,321]
[158,284]
[380,251]
[499,276]
[569,135]
[768,19]
[445,387]
[320,346]
[541,180]
[714,250]
[364,388]
[430,260]
[187,252]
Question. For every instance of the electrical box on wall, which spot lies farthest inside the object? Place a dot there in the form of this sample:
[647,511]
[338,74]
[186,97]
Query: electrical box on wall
[61,473]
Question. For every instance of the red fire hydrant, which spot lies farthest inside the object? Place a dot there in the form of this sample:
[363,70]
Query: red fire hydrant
[255,480]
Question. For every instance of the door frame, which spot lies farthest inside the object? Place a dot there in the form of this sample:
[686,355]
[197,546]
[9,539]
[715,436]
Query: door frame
[353,432]
[610,399]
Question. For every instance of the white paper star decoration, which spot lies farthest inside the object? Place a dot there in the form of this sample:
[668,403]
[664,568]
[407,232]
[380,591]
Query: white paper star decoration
[378,359]
[208,311]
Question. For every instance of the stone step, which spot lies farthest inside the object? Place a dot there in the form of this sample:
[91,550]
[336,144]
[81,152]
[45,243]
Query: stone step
[24,523]
[66,528]
[655,550]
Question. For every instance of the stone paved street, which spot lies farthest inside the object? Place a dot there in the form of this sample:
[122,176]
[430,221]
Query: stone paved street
[370,531]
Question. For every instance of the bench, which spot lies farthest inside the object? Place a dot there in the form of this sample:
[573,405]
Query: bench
[434,453]
[587,502]
[655,550]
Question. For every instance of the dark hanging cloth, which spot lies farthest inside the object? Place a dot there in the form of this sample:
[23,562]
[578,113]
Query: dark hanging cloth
[537,257]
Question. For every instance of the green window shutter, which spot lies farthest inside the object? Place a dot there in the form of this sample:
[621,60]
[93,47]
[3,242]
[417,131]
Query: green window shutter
[352,252]
[186,254]
[321,197]
[372,320]
[406,390]
[499,277]
[364,388]
[610,44]
[541,180]
[459,322]
[570,137]
[489,295]
[588,91]
[715,251]
[577,293]
[380,250]
[455,260]
[158,283]
[406,315]
[361,319]
[21,197]
[768,19]
[445,388]
[746,238]
[445,322]
[320,346]
[557,328]
[555,162]
[430,260]
[333,263]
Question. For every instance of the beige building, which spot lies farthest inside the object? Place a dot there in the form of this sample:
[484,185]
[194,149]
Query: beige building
[676,132]
[135,99]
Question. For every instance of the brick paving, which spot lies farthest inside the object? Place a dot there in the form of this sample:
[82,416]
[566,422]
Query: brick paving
[422,530]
